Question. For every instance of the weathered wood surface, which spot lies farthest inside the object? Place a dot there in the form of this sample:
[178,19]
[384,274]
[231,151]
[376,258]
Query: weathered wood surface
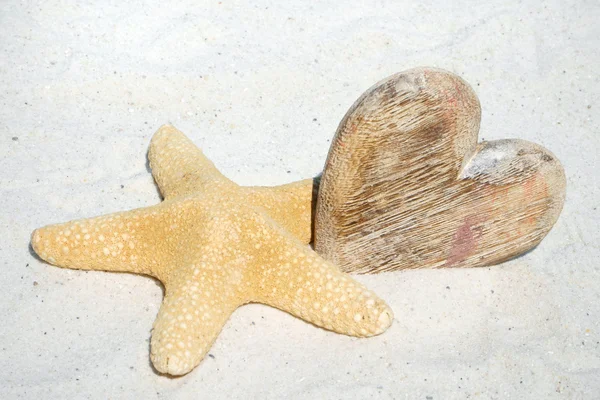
[406,185]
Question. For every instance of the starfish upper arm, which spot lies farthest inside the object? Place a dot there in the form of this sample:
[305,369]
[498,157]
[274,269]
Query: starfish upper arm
[178,166]
[290,205]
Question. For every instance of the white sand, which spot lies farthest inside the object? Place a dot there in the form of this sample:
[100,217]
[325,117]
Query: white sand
[261,88]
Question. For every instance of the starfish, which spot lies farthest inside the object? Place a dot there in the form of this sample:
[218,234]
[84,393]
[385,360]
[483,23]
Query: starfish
[215,246]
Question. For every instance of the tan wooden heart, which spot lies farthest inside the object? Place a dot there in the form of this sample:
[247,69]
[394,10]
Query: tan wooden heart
[406,185]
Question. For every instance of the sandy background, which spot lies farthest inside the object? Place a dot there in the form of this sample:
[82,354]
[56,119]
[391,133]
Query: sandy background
[261,86]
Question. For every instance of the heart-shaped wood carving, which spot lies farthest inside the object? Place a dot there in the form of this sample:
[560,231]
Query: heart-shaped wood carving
[406,185]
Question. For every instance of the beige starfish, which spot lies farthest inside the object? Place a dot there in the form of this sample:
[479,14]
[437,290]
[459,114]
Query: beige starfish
[215,246]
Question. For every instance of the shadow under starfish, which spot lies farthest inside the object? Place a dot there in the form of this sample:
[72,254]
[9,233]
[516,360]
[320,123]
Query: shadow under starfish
[215,246]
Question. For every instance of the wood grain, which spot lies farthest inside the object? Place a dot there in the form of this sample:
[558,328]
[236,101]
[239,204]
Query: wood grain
[406,185]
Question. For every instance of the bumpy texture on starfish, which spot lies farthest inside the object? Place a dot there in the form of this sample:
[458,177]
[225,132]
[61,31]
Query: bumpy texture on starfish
[215,246]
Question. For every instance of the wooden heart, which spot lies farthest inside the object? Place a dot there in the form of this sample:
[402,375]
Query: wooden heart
[406,185]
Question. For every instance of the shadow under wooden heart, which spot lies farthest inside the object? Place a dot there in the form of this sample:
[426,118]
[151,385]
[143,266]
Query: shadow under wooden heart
[406,185]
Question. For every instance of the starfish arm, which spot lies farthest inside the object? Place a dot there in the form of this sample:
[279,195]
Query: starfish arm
[123,242]
[196,306]
[297,280]
[290,205]
[179,167]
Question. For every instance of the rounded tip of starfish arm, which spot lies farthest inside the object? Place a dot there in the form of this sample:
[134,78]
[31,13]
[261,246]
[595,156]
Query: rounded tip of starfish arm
[170,364]
[166,129]
[35,238]
[384,321]
[39,245]
[373,322]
